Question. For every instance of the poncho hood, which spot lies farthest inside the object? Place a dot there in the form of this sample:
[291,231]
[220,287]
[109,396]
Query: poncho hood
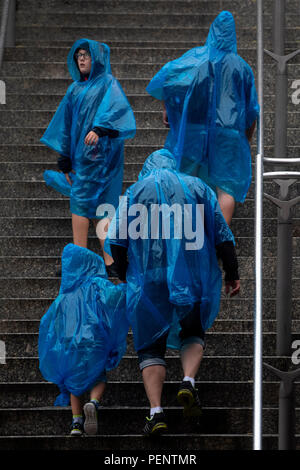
[158,160]
[100,54]
[76,259]
[222,34]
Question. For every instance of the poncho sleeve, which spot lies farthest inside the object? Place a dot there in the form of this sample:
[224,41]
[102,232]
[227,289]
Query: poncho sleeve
[115,112]
[118,230]
[155,87]
[58,134]
[252,106]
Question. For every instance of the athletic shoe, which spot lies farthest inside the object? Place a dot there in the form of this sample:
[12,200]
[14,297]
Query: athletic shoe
[187,396]
[76,429]
[91,418]
[156,425]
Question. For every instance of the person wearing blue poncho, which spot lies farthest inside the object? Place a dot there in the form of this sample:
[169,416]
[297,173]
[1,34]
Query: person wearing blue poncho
[164,240]
[210,104]
[83,334]
[88,132]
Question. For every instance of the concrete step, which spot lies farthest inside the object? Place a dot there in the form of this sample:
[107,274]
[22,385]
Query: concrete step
[131,18]
[40,153]
[49,287]
[217,344]
[131,86]
[135,52]
[62,227]
[37,153]
[26,267]
[139,102]
[117,420]
[141,30]
[20,172]
[225,368]
[38,189]
[180,442]
[151,6]
[237,309]
[148,119]
[53,245]
[213,394]
[144,135]
[219,326]
[59,207]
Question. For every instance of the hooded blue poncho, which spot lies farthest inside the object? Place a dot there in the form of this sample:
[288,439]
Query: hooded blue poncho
[97,102]
[211,100]
[84,331]
[169,268]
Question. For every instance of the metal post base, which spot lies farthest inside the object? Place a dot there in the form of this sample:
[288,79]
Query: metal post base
[287,417]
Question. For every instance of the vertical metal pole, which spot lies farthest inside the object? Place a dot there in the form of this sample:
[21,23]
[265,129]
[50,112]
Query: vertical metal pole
[284,227]
[257,401]
[284,284]
[10,40]
[281,93]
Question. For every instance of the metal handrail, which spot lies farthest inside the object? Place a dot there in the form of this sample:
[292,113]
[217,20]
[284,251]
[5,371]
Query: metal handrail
[281,160]
[282,174]
[258,357]
[7,28]
[260,175]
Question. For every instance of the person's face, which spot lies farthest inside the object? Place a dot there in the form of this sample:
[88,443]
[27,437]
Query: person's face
[84,61]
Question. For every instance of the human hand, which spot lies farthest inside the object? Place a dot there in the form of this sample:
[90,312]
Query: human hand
[234,286]
[68,177]
[165,118]
[91,138]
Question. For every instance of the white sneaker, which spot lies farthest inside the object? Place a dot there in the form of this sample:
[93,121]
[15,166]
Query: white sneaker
[91,418]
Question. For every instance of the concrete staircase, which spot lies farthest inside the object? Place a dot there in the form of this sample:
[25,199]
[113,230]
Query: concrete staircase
[36,225]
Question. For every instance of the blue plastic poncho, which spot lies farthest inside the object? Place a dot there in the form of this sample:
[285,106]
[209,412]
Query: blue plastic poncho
[84,331]
[169,267]
[96,102]
[210,98]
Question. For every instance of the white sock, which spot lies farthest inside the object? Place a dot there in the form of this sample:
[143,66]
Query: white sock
[157,409]
[191,379]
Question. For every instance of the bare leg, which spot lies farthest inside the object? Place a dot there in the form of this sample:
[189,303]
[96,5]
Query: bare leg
[80,230]
[227,205]
[76,405]
[154,377]
[191,358]
[101,230]
[97,391]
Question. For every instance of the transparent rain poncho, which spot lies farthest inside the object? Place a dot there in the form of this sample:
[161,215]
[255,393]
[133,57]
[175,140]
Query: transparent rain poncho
[96,102]
[210,99]
[84,331]
[169,269]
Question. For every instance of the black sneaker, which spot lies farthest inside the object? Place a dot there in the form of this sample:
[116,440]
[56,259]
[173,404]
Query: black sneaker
[76,429]
[156,425]
[187,396]
[91,418]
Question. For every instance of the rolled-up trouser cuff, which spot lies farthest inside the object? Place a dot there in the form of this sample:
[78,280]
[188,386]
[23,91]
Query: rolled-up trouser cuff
[154,361]
[185,343]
